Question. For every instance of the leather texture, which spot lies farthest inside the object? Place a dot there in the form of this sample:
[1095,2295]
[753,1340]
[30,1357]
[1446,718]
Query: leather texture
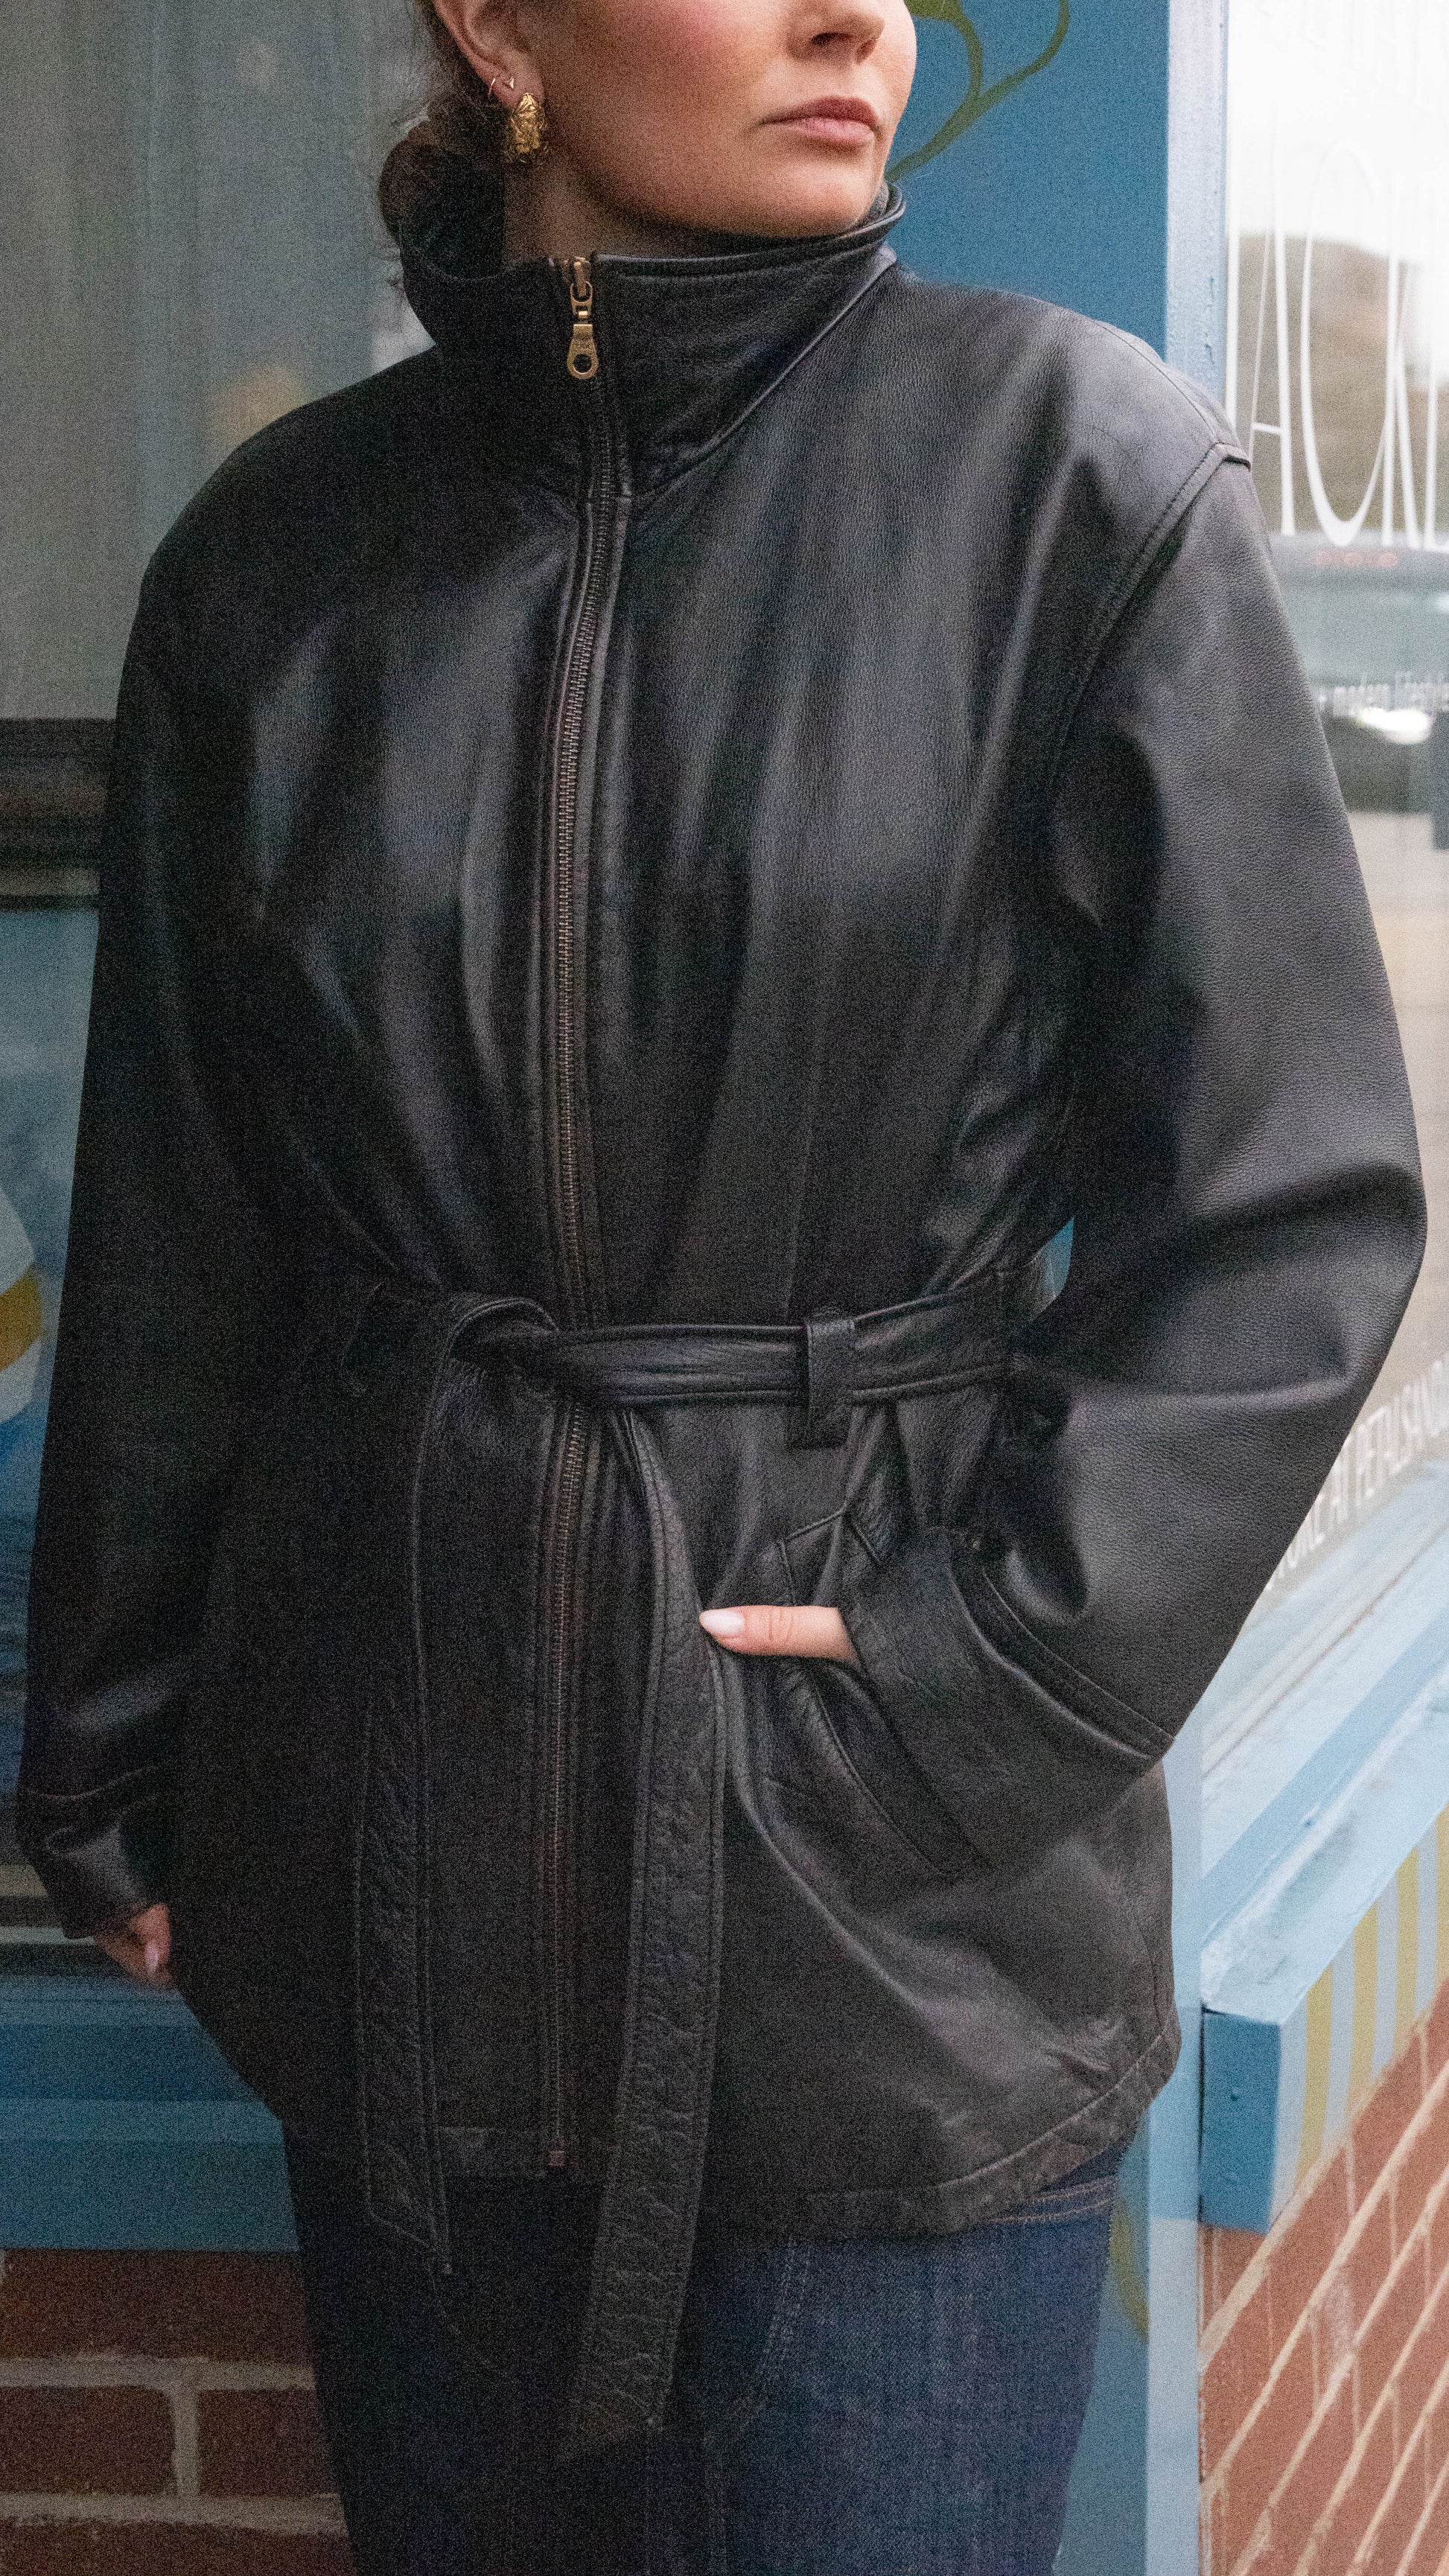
[671,869]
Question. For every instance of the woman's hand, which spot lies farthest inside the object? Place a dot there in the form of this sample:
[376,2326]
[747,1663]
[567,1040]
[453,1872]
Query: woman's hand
[759,1629]
[143,1949]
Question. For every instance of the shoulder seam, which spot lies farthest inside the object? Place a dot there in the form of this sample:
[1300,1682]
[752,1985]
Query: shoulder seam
[1186,391]
[1120,596]
[1140,350]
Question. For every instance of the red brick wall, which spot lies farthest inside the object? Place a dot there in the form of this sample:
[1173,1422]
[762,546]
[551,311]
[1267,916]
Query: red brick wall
[157,2419]
[157,2416]
[1325,2356]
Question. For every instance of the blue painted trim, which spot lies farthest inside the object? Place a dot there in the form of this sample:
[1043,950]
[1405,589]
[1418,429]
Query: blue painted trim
[1267,1956]
[1316,1682]
[1314,1985]
[1133,2504]
[1290,1814]
[1197,123]
[1173,2127]
[1241,2062]
[70,2037]
[122,2126]
[136,2124]
[154,2194]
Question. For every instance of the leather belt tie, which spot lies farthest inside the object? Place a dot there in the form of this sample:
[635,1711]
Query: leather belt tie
[821,1369]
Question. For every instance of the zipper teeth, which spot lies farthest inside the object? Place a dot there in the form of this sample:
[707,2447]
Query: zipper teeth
[576,1285]
[571,719]
[560,1667]
[571,1210]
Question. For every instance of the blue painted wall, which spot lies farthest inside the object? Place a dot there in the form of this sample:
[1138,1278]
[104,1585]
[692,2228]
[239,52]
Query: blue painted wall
[1061,189]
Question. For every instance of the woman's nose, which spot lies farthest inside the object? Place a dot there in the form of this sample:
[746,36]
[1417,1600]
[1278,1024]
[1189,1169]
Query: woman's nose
[851,26]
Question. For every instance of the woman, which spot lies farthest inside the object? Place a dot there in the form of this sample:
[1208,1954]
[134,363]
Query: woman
[660,854]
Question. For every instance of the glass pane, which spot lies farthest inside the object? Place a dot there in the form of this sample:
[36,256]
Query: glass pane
[1338,380]
[190,248]
[45,982]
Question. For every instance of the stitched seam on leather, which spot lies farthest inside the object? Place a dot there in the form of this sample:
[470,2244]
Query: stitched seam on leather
[892,1823]
[671,482]
[1094,2202]
[849,1526]
[935,1382]
[807,1529]
[717,2511]
[1187,392]
[879,1655]
[1120,597]
[160,1773]
[422,1917]
[357,1875]
[858,1534]
[901,1832]
[1130,2081]
[543,1521]
[1149,1956]
[584,843]
[1051,1665]
[442,2309]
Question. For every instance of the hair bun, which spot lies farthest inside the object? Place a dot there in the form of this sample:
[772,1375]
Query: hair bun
[457,129]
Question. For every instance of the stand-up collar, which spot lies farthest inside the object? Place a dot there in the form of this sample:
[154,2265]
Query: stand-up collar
[687,345]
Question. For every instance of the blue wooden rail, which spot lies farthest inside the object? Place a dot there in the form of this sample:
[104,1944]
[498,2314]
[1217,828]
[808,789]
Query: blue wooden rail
[1326,1852]
[122,2126]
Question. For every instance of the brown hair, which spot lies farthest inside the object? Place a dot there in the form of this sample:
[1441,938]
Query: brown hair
[459,124]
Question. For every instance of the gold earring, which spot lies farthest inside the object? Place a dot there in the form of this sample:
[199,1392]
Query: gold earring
[525,135]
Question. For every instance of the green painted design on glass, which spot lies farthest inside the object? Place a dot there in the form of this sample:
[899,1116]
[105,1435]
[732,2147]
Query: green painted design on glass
[978,97]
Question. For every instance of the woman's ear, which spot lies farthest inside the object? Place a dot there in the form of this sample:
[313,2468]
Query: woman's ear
[488,36]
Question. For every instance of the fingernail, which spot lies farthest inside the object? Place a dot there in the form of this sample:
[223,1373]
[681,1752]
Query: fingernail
[723,1623]
[152,1956]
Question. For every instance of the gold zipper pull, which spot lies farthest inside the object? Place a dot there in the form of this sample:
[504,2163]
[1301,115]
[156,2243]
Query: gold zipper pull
[583,357]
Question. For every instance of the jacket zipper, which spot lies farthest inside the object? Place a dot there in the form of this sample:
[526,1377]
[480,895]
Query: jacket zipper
[563,1606]
[583,356]
[560,1668]
[601,504]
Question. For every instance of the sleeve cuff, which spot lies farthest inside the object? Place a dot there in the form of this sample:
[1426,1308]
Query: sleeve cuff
[99,1872]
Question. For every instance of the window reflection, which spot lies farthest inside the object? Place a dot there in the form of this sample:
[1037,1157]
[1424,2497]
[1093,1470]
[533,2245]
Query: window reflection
[192,249]
[52,776]
[1338,381]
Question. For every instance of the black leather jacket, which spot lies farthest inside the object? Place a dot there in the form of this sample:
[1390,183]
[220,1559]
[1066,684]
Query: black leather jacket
[759,836]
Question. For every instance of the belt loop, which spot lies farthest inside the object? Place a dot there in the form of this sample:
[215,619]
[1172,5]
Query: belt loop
[829,1382]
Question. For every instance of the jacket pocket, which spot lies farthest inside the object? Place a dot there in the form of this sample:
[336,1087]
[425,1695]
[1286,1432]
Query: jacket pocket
[810,1565]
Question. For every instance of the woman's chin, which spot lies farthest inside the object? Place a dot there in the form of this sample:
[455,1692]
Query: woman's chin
[820,210]
[820,201]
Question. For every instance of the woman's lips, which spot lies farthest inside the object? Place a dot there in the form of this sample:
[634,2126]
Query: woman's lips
[832,120]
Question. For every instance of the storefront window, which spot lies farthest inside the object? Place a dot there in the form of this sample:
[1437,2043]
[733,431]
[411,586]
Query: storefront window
[50,784]
[1337,376]
[192,249]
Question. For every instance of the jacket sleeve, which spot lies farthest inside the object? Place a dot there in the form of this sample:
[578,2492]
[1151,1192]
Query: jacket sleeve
[173,1307]
[1248,1223]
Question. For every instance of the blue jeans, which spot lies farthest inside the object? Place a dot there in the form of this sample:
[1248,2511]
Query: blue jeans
[884,2407]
